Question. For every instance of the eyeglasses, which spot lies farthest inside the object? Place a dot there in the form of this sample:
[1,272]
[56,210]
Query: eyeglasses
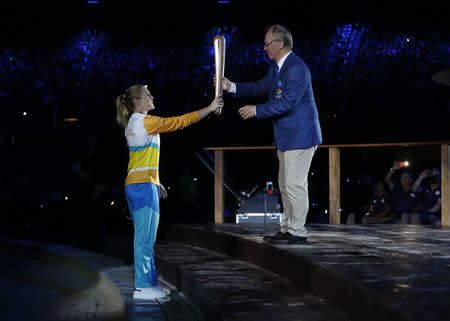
[267,44]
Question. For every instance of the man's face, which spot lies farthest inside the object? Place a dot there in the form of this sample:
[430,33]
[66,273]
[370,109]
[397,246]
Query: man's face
[406,181]
[272,47]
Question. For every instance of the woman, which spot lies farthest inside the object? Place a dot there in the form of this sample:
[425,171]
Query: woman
[142,185]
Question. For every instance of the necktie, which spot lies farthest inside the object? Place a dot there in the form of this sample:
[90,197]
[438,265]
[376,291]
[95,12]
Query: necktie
[277,69]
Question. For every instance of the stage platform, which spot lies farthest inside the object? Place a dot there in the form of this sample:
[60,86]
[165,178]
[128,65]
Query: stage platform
[227,272]
[376,272]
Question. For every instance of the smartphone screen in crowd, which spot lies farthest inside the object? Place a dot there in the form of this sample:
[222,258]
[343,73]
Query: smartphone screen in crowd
[403,164]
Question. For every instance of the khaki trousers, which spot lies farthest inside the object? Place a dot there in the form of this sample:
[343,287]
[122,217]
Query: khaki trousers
[293,182]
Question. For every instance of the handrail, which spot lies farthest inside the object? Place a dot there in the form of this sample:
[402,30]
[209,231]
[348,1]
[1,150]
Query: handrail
[359,145]
[334,174]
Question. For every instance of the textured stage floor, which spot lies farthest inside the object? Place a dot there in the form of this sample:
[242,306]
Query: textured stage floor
[378,272]
[227,272]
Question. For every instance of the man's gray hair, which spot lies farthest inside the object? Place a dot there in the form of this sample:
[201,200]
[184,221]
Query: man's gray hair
[282,33]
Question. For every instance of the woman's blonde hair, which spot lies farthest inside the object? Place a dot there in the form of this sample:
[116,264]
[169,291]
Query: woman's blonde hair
[126,102]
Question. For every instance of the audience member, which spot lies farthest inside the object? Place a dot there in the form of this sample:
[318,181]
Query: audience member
[403,199]
[428,188]
[378,210]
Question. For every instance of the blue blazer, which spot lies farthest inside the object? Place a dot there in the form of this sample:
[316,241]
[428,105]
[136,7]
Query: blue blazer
[291,104]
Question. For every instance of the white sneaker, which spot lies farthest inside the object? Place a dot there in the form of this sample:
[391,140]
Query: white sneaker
[164,289]
[149,293]
[159,287]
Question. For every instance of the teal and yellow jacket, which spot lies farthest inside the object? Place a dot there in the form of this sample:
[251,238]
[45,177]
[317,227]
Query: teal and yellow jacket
[142,135]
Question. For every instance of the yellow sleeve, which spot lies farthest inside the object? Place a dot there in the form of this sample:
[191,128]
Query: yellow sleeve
[156,125]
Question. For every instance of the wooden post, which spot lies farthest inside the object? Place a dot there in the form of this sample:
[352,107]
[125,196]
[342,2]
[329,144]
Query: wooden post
[218,186]
[335,185]
[445,181]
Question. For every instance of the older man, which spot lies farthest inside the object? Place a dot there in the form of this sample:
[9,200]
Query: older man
[293,111]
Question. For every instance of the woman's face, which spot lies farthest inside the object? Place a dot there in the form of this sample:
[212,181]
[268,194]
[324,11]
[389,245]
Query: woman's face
[146,102]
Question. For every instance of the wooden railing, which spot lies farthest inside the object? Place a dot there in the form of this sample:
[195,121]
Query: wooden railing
[334,175]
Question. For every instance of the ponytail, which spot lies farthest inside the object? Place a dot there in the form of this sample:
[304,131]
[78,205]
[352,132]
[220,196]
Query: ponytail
[123,112]
[125,103]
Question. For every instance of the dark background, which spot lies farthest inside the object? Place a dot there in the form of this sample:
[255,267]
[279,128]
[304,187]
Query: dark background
[371,64]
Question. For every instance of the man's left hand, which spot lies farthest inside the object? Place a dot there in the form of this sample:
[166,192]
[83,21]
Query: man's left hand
[248,111]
